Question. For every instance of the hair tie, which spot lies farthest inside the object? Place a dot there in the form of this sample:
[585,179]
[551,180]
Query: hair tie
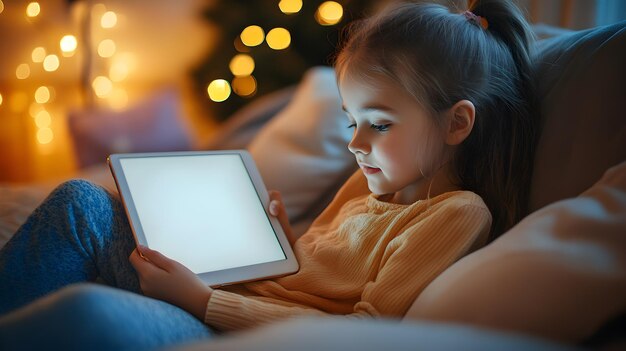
[477,20]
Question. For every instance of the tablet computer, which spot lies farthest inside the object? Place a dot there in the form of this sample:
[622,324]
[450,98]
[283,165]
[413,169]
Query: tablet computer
[205,209]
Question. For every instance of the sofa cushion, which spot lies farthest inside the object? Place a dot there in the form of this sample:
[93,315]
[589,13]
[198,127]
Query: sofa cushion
[560,273]
[580,79]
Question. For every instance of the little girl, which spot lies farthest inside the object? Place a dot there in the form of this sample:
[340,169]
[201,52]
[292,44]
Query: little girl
[441,111]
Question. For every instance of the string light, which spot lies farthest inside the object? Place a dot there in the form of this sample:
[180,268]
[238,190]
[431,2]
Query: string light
[1,6]
[329,13]
[39,54]
[252,35]
[51,63]
[42,95]
[22,71]
[43,119]
[106,48]
[290,6]
[68,45]
[219,90]
[102,86]
[241,65]
[33,9]
[278,38]
[45,135]
[244,86]
[108,20]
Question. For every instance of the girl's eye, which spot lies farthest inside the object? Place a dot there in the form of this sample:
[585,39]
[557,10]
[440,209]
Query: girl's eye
[352,125]
[380,127]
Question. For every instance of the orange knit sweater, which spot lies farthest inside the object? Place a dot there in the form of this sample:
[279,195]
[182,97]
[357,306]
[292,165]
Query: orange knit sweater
[362,257]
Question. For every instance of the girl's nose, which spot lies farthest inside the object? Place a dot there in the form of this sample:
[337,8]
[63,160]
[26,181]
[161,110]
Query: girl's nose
[358,143]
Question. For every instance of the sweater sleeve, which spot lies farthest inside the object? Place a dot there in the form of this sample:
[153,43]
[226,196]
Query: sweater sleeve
[427,249]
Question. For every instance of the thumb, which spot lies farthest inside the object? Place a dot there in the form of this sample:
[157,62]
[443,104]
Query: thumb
[156,257]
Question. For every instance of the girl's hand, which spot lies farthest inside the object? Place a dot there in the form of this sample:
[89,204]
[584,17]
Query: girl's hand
[170,281]
[277,209]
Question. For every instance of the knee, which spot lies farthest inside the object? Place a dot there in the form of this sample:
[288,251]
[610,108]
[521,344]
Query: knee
[85,300]
[78,189]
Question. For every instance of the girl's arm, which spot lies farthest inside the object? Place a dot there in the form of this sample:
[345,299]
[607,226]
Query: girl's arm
[428,249]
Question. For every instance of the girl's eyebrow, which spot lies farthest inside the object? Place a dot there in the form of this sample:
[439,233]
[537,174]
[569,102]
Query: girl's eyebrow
[371,107]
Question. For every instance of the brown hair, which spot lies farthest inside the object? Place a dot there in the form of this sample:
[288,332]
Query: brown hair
[440,58]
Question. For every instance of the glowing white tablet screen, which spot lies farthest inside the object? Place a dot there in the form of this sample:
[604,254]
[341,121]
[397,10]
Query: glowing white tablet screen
[202,211]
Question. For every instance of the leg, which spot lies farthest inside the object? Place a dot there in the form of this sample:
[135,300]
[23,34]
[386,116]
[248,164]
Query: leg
[96,317]
[80,232]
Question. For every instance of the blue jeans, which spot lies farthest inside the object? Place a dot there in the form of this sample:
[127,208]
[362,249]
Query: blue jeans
[80,233]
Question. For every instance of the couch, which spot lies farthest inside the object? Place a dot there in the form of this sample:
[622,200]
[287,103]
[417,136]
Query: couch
[557,280]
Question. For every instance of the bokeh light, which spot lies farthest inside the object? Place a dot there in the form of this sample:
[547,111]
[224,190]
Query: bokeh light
[38,54]
[252,35]
[68,44]
[51,63]
[42,95]
[102,86]
[43,119]
[45,135]
[1,6]
[106,48]
[33,9]
[118,99]
[278,38]
[219,90]
[290,6]
[22,71]
[241,65]
[0,93]
[329,13]
[108,20]
[244,86]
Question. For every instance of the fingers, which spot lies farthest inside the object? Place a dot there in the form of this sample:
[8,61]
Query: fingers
[276,203]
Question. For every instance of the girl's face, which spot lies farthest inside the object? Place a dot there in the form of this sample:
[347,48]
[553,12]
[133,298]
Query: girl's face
[394,137]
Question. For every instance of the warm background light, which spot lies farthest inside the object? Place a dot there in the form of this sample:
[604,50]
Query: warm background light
[33,9]
[34,109]
[244,86]
[51,63]
[22,71]
[39,54]
[241,65]
[1,6]
[118,99]
[0,94]
[18,101]
[43,119]
[329,13]
[219,90]
[102,86]
[45,135]
[290,6]
[278,38]
[42,95]
[68,44]
[252,35]
[106,48]
[108,20]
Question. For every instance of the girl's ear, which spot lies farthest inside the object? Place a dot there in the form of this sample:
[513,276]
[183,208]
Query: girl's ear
[460,122]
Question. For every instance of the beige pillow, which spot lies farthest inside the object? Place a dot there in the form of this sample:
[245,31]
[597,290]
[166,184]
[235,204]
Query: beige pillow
[302,152]
[558,274]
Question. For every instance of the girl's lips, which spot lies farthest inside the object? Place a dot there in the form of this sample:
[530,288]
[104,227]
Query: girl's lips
[369,170]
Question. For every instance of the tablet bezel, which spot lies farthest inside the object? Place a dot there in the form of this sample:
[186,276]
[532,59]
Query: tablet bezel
[222,277]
